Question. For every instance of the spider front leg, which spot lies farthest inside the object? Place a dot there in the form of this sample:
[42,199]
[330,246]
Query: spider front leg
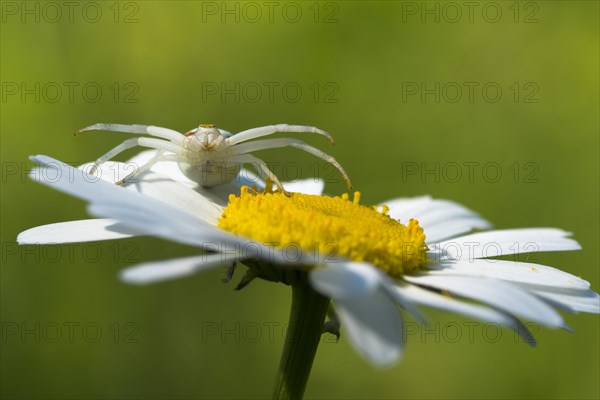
[271,129]
[156,131]
[297,143]
[143,142]
[261,168]
[326,157]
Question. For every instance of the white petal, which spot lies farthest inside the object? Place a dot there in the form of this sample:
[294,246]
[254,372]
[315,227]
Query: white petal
[447,303]
[160,187]
[568,299]
[519,272]
[87,230]
[148,218]
[497,293]
[440,210]
[180,197]
[426,297]
[406,208]
[390,286]
[426,209]
[367,313]
[110,171]
[152,221]
[306,186]
[345,279]
[373,325]
[142,213]
[452,227]
[78,183]
[439,218]
[152,272]
[509,241]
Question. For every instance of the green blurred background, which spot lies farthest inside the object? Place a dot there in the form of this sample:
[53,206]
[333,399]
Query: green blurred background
[70,329]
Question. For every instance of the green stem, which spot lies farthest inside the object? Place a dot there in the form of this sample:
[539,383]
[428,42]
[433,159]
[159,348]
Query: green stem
[307,317]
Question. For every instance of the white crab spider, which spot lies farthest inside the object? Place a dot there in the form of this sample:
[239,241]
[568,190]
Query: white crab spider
[208,155]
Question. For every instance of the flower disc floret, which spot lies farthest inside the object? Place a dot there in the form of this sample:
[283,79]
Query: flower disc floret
[328,225]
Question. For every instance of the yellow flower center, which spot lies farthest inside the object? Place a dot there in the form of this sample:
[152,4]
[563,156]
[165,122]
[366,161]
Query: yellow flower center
[329,226]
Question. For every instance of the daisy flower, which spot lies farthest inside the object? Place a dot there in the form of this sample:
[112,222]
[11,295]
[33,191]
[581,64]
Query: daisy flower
[406,252]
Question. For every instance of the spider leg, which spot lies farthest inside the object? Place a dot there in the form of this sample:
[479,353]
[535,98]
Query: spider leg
[284,142]
[271,129]
[262,145]
[159,156]
[155,131]
[325,157]
[261,168]
[141,141]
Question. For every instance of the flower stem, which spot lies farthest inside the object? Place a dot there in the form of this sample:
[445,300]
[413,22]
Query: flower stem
[307,317]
